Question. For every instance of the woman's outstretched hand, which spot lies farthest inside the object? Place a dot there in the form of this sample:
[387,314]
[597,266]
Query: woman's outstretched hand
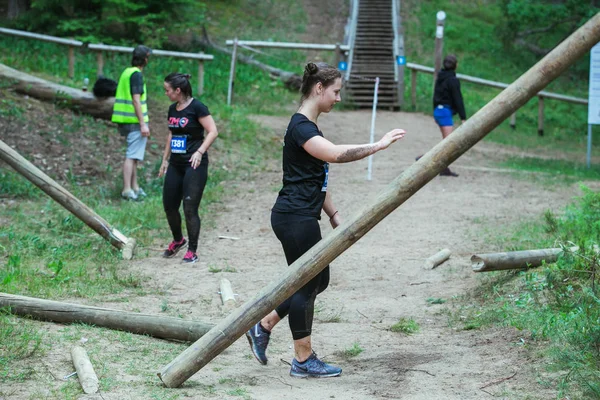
[163,168]
[391,137]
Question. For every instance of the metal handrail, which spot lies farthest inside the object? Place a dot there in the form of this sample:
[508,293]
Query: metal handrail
[352,35]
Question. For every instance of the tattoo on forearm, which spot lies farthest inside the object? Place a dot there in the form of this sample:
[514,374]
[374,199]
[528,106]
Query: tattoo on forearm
[355,154]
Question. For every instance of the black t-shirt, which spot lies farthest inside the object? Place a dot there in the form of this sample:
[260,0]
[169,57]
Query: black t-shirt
[136,83]
[187,132]
[304,176]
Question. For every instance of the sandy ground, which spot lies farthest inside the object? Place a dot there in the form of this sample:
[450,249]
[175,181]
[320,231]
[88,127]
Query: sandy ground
[375,283]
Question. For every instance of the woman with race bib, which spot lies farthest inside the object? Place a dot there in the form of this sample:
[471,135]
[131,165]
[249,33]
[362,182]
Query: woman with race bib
[192,130]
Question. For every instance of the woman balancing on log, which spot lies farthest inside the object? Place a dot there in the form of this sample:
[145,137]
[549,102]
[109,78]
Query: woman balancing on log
[295,216]
[185,162]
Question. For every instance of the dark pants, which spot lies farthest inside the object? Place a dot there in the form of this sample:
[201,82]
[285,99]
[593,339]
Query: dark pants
[297,234]
[182,182]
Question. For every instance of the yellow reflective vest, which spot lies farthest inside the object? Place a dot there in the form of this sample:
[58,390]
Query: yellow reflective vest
[123,110]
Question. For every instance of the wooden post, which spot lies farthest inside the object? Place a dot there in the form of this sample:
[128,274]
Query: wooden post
[66,199]
[85,370]
[439,42]
[200,77]
[100,63]
[514,259]
[540,116]
[401,189]
[413,88]
[169,328]
[338,55]
[513,121]
[227,293]
[437,259]
[232,73]
[71,62]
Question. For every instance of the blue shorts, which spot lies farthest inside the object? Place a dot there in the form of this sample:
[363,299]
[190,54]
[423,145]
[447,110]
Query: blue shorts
[136,145]
[443,115]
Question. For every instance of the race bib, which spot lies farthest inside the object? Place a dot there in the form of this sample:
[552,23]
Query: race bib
[179,144]
[324,187]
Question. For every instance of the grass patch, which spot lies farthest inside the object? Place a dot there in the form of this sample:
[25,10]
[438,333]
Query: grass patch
[405,325]
[19,340]
[562,170]
[353,351]
[557,305]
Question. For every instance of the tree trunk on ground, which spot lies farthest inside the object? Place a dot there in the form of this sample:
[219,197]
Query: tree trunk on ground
[157,326]
[76,99]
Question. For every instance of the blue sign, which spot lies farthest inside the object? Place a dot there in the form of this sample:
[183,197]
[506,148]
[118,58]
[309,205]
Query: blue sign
[342,65]
[401,60]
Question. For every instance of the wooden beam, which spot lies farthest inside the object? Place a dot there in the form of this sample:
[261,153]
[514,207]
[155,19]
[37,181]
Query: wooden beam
[513,259]
[67,313]
[67,200]
[77,99]
[85,370]
[437,259]
[401,189]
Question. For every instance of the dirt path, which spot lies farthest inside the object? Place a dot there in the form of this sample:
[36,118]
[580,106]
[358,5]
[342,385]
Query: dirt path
[377,281]
[374,284]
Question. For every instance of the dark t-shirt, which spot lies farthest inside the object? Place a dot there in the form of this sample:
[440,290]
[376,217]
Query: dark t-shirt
[304,176]
[187,132]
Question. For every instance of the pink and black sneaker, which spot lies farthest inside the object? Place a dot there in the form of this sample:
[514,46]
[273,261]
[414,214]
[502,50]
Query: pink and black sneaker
[174,247]
[190,257]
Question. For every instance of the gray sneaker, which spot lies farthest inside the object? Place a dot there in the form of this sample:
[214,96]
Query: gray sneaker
[314,368]
[129,195]
[258,338]
[140,193]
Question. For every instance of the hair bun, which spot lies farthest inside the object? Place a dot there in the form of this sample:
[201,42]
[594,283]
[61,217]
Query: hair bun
[311,68]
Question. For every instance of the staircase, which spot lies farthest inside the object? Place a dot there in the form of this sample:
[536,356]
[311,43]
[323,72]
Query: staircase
[373,56]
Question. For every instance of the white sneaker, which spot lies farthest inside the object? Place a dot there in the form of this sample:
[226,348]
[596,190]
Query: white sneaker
[129,195]
[140,193]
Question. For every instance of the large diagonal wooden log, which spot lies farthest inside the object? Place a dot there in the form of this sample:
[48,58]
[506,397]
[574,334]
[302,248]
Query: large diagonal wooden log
[67,200]
[402,188]
[42,89]
[67,313]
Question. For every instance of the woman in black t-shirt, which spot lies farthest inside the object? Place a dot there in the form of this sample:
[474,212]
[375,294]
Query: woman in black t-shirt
[294,218]
[185,162]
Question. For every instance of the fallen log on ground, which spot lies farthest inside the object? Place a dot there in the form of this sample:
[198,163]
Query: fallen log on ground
[402,188]
[144,324]
[437,259]
[85,370]
[67,200]
[514,259]
[76,99]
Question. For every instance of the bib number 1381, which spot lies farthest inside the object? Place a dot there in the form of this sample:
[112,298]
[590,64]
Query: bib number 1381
[179,144]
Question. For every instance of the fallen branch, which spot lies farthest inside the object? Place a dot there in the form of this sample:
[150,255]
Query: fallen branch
[291,80]
[85,370]
[498,381]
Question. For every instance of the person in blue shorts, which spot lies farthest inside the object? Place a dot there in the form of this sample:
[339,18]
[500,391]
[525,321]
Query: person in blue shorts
[447,100]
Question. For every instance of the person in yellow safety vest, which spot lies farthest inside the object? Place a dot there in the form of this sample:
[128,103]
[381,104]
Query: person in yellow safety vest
[130,112]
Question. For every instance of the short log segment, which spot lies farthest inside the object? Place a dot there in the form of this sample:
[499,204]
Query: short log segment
[41,89]
[437,259]
[514,259]
[402,188]
[67,200]
[85,371]
[169,328]
[227,295]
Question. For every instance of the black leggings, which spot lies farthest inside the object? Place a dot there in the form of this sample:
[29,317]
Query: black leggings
[184,182]
[297,234]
